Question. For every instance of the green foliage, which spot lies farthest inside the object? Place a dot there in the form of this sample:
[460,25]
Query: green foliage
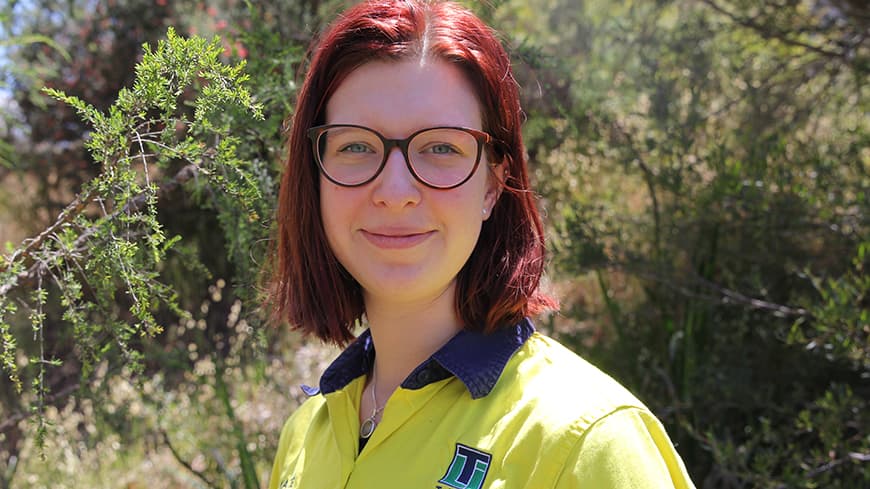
[110,238]
[190,173]
[7,354]
[840,314]
[705,185]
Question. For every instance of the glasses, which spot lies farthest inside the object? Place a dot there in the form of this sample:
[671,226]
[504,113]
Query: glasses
[438,157]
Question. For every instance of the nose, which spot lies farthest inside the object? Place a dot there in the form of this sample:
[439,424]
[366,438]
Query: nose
[396,187]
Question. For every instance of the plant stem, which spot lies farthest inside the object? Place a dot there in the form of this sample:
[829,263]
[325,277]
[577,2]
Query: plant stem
[249,473]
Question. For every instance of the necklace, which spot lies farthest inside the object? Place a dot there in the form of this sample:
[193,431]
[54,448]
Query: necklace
[368,426]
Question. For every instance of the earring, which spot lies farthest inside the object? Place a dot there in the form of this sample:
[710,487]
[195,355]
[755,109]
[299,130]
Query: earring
[484,211]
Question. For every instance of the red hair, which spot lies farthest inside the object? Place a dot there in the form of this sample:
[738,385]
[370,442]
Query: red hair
[498,285]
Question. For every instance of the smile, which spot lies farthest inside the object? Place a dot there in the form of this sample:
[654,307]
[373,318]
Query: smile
[396,240]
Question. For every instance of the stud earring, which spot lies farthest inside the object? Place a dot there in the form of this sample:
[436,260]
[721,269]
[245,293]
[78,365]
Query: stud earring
[484,211]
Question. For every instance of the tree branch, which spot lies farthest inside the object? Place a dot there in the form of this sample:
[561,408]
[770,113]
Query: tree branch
[724,295]
[183,462]
[649,179]
[27,254]
[75,208]
[16,417]
[769,32]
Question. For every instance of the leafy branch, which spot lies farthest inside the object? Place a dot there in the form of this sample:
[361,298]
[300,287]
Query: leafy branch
[767,30]
[108,242]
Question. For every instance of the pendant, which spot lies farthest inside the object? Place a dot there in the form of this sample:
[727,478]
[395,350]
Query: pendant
[367,428]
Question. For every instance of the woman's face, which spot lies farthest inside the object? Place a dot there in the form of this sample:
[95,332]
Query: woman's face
[402,241]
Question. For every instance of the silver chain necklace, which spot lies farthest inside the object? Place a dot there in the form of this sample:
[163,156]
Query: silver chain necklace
[368,426]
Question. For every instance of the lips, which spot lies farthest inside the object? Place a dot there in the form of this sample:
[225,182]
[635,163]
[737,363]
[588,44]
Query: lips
[396,239]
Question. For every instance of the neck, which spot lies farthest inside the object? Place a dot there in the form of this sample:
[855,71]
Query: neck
[406,334]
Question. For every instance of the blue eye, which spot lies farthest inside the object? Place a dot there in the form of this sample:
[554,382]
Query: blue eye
[443,149]
[355,148]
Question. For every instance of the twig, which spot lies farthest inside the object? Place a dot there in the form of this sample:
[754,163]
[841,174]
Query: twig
[17,417]
[134,204]
[649,179]
[768,32]
[67,215]
[826,467]
[726,296]
[183,462]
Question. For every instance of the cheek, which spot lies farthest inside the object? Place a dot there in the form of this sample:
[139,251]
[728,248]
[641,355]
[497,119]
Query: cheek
[332,213]
[467,211]
[482,182]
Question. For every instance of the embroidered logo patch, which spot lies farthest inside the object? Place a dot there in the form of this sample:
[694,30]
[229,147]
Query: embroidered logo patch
[468,469]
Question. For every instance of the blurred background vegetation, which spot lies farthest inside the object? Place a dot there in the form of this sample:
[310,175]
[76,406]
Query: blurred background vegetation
[703,167]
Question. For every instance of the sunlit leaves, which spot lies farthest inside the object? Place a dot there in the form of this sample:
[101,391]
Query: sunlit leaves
[104,255]
[707,159]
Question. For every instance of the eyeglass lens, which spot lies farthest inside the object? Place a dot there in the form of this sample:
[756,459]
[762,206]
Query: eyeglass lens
[441,157]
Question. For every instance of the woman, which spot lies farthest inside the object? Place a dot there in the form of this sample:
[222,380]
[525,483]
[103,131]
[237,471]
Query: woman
[405,206]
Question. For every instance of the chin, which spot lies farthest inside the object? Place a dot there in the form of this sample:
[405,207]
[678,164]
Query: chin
[406,289]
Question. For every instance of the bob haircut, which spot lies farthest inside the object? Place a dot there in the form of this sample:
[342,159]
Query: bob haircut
[498,285]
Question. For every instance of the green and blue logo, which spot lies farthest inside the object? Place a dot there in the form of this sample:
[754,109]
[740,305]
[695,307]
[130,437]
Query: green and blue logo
[468,469]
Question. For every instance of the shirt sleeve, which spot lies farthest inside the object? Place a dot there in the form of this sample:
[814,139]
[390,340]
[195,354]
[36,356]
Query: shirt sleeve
[627,448]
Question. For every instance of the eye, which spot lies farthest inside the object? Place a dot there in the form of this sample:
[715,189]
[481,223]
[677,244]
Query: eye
[442,149]
[355,148]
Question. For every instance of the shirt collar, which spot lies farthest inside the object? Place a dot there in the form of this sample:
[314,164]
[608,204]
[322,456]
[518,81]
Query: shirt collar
[475,358]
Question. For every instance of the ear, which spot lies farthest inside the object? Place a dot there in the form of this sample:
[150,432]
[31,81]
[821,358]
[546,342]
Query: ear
[495,183]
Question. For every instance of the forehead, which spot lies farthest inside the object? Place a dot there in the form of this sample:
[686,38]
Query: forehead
[399,97]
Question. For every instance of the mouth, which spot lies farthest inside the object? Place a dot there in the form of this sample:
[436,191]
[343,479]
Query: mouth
[394,240]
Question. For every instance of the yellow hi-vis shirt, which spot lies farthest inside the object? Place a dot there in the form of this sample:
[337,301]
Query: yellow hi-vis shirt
[513,409]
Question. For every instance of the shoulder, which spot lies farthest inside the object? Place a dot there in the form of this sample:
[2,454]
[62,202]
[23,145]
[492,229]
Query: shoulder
[302,417]
[598,458]
[563,388]
[291,439]
[590,424]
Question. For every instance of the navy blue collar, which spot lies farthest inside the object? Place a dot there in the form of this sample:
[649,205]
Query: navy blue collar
[476,359]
